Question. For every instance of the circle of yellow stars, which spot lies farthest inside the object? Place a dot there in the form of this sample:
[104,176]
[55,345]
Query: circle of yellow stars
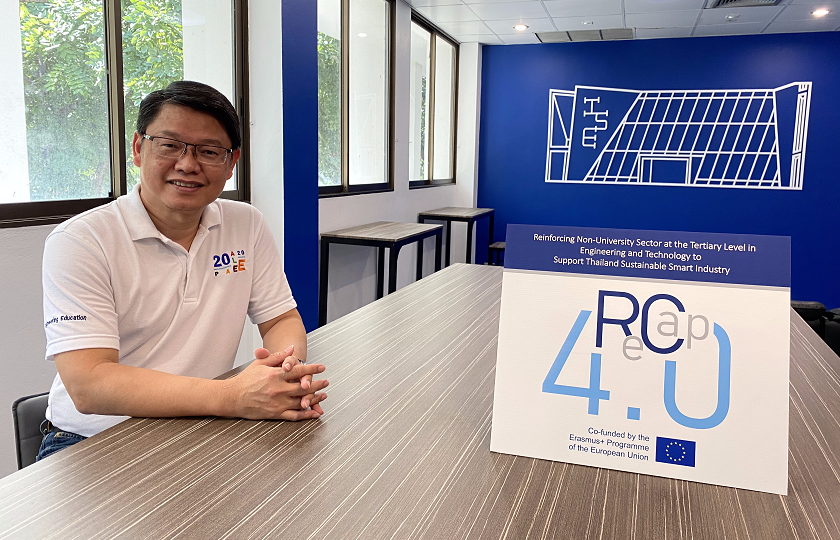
[668,451]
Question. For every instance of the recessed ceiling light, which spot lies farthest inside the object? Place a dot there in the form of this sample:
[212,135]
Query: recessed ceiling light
[820,13]
[588,22]
[520,27]
[731,18]
[361,34]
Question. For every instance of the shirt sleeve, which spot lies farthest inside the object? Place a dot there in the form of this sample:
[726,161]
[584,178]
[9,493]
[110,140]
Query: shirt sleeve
[271,295]
[79,308]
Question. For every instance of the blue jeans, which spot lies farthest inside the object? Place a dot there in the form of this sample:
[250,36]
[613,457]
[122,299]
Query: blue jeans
[57,440]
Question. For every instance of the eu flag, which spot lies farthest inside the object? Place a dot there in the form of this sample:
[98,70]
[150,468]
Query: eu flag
[675,451]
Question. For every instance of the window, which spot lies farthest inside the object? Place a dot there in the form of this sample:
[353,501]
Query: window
[434,64]
[84,68]
[354,118]
[57,111]
[172,40]
[421,63]
[329,93]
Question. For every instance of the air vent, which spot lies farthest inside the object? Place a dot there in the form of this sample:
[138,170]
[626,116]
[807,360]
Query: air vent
[585,35]
[553,37]
[741,3]
[617,33]
[609,34]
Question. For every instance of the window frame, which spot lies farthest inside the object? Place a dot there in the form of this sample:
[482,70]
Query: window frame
[24,214]
[435,32]
[345,188]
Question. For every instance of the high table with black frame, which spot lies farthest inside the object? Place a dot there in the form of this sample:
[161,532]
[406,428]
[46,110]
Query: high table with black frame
[381,235]
[465,215]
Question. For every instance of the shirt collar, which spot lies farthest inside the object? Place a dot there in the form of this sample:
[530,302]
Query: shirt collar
[137,219]
[211,217]
[140,225]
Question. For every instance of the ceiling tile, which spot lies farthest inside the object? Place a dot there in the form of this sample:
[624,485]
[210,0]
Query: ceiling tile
[515,39]
[470,2]
[470,27]
[509,10]
[582,8]
[802,12]
[828,3]
[488,39]
[653,33]
[745,15]
[662,19]
[444,14]
[731,29]
[492,21]
[419,3]
[778,27]
[576,23]
[646,6]
[534,25]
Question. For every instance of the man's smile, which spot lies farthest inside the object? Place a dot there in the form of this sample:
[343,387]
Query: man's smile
[185,185]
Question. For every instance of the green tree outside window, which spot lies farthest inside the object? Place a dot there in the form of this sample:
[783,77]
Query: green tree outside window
[65,87]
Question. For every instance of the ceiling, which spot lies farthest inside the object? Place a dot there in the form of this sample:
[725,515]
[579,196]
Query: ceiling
[492,21]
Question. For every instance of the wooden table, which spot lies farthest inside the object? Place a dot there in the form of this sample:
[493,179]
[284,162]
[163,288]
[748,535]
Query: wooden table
[381,235]
[467,215]
[403,452]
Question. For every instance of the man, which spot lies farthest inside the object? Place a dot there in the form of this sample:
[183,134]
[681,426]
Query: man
[144,298]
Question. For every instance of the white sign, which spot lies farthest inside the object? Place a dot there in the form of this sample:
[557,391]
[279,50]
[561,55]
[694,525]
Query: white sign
[662,353]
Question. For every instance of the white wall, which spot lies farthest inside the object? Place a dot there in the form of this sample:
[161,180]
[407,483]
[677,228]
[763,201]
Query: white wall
[469,108]
[352,279]
[266,102]
[22,339]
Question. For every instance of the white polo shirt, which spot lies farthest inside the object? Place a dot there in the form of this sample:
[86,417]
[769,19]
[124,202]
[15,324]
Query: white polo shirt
[112,280]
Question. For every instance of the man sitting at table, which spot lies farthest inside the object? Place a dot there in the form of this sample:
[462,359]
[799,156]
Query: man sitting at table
[145,297]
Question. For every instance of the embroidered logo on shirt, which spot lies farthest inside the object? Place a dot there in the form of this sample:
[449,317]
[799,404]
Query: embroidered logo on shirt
[229,263]
[65,318]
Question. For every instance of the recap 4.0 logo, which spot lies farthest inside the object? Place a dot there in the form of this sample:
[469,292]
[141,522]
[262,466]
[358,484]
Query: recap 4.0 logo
[633,346]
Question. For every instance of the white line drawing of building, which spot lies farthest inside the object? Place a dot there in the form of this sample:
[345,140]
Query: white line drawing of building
[709,138]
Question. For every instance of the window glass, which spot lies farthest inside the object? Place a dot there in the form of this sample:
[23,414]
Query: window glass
[171,40]
[53,102]
[368,88]
[329,92]
[444,109]
[418,148]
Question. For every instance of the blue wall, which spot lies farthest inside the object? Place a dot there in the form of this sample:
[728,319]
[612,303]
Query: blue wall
[300,154]
[513,138]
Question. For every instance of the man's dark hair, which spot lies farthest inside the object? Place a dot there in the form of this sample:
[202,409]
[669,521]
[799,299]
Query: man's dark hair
[197,96]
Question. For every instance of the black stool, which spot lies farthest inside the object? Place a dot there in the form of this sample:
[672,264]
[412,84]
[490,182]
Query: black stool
[811,312]
[497,254]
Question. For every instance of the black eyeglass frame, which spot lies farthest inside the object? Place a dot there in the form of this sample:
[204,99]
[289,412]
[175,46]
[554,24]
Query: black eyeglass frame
[228,151]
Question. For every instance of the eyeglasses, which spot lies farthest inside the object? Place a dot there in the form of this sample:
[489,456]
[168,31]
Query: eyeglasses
[204,153]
